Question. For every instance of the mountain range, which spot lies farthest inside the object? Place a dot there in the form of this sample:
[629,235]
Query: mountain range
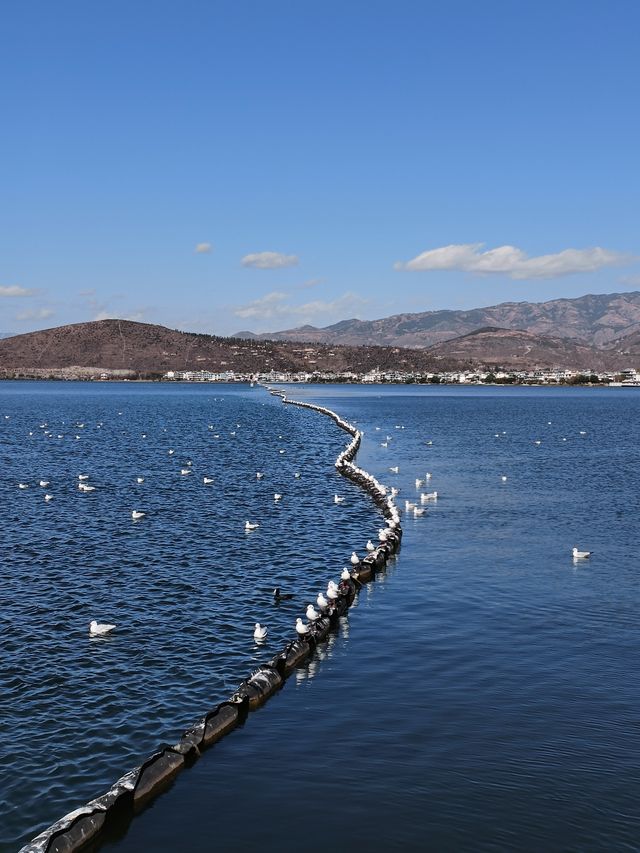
[600,333]
[595,319]
[142,348]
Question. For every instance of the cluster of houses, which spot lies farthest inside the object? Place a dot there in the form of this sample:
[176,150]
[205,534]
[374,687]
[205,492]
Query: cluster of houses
[551,376]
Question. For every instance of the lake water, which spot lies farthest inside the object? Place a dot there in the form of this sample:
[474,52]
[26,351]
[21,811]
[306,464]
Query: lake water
[482,693]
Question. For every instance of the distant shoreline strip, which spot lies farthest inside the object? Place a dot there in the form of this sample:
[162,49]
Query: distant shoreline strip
[133,791]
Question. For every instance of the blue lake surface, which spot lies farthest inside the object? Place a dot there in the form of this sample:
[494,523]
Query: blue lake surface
[482,693]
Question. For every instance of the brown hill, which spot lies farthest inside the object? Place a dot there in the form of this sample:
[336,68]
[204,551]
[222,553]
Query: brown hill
[595,319]
[145,348]
[517,349]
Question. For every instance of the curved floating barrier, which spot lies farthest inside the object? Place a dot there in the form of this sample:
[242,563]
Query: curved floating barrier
[135,789]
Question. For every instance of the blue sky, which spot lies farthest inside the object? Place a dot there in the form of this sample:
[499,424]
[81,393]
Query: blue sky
[218,166]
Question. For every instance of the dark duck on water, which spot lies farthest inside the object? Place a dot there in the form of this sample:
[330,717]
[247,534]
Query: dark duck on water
[281,596]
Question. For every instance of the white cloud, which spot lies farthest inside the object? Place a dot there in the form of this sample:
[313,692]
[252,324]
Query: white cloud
[134,316]
[511,261]
[275,306]
[269,260]
[15,290]
[203,248]
[36,314]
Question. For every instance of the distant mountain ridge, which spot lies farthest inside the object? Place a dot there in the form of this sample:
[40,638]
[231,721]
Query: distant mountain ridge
[594,319]
[125,347]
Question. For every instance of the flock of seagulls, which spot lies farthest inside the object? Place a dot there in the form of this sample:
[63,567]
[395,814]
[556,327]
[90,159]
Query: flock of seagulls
[324,599]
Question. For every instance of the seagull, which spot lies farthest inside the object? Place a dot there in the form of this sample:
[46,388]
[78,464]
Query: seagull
[43,483]
[297,475]
[419,483]
[259,475]
[185,471]
[384,444]
[136,514]
[417,511]
[171,452]
[322,602]
[84,488]
[394,491]
[370,546]
[312,614]
[395,469]
[23,485]
[354,559]
[249,525]
[281,596]
[337,499]
[139,479]
[97,629]
[428,496]
[301,628]
[260,632]
[277,497]
[429,443]
[428,475]
[583,432]
[83,476]
[48,497]
[345,575]
[207,480]
[581,555]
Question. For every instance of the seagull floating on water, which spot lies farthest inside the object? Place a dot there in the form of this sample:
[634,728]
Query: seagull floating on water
[395,469]
[136,514]
[338,499]
[48,497]
[83,476]
[581,555]
[23,485]
[43,483]
[503,478]
[98,629]
[249,525]
[260,632]
[277,497]
[259,475]
[297,475]
[85,488]
[207,480]
[185,471]
[139,479]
